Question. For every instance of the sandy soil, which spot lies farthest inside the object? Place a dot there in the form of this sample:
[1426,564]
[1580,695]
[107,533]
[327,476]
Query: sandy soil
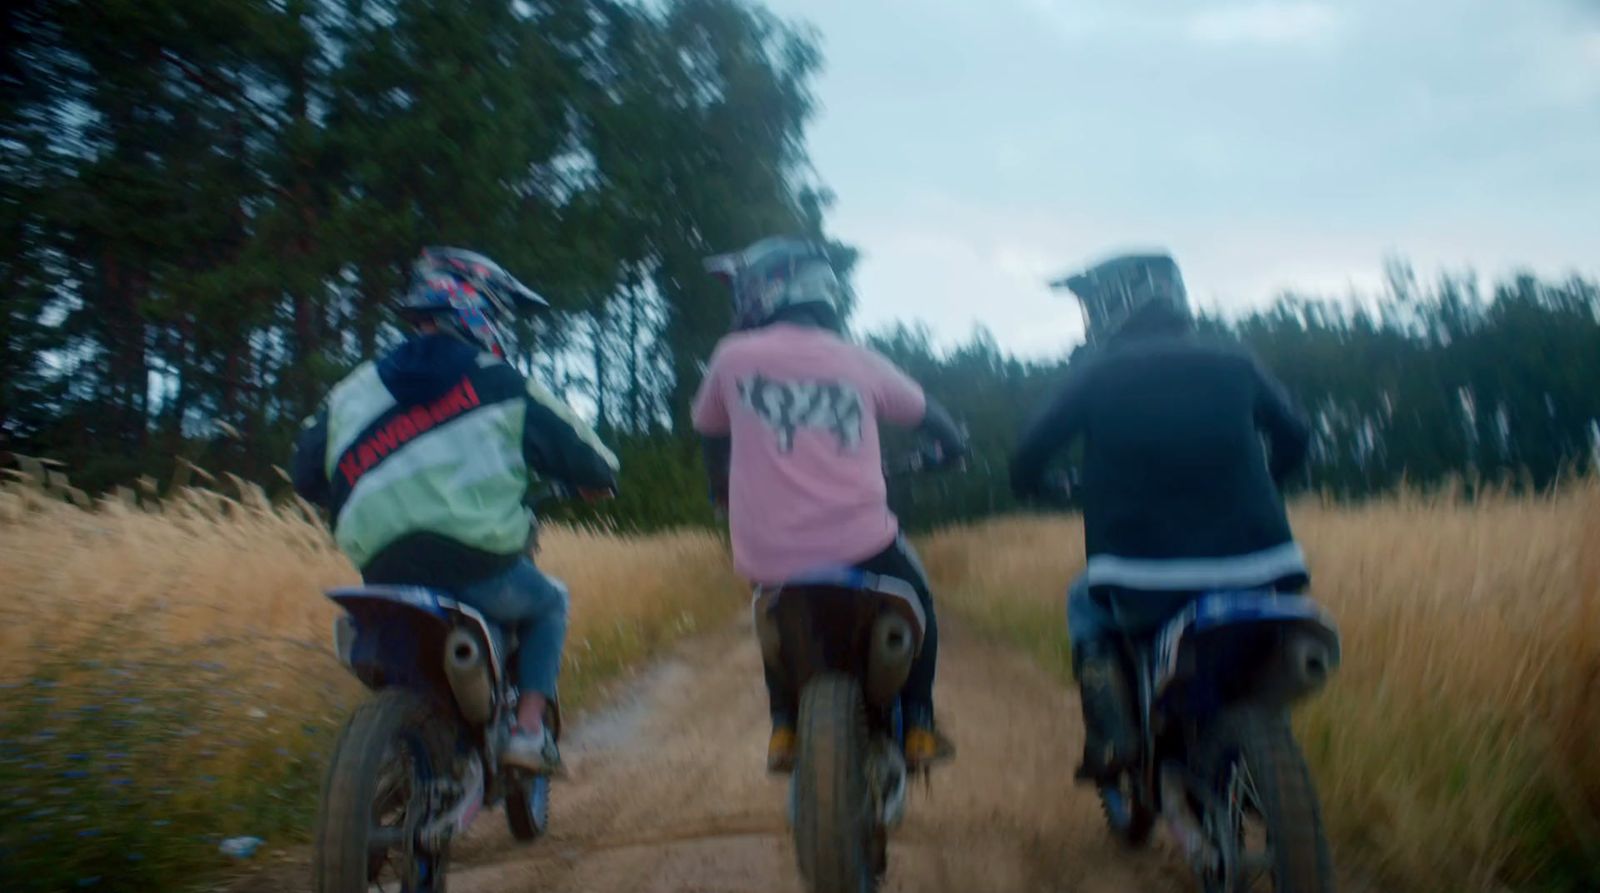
[668,794]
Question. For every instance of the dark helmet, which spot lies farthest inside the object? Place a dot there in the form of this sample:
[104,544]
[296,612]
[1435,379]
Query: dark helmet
[776,274]
[1124,291]
[466,295]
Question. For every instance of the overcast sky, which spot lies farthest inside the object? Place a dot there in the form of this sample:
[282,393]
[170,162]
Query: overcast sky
[980,146]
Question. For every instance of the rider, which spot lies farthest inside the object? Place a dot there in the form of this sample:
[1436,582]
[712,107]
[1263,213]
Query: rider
[423,459]
[1178,496]
[789,411]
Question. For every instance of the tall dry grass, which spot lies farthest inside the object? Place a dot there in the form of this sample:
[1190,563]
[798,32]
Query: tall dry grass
[166,679]
[1459,748]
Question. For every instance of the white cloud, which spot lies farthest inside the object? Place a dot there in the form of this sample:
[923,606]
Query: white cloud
[1265,23]
[1271,144]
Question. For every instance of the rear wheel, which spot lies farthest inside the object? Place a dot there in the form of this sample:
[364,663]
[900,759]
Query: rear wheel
[1261,819]
[377,795]
[834,831]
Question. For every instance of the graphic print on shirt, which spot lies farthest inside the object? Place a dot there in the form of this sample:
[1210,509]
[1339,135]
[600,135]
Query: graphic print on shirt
[788,406]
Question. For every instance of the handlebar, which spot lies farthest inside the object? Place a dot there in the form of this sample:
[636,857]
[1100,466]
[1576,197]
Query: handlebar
[561,491]
[927,457]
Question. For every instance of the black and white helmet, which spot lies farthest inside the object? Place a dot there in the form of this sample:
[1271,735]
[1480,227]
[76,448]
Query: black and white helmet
[775,274]
[1124,288]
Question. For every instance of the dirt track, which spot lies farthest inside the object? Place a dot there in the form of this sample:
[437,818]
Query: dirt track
[668,793]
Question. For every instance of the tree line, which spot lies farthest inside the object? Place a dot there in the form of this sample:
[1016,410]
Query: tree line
[207,207]
[1423,384]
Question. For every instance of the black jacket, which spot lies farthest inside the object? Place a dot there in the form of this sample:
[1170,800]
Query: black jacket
[1177,490]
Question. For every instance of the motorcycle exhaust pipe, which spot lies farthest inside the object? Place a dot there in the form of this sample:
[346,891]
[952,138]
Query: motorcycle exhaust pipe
[1307,664]
[893,647]
[466,669]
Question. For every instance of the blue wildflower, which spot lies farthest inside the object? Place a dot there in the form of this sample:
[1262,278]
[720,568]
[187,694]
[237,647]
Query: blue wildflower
[75,773]
[88,881]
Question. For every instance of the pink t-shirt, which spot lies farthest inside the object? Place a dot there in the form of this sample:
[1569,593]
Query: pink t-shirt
[806,483]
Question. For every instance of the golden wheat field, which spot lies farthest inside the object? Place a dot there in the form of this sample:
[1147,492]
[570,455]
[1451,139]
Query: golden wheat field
[166,678]
[1459,748]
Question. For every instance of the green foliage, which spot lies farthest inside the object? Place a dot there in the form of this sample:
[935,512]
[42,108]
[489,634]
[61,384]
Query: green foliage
[990,393]
[208,206]
[125,772]
[1417,386]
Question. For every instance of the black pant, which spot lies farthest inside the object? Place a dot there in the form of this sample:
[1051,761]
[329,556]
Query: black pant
[900,561]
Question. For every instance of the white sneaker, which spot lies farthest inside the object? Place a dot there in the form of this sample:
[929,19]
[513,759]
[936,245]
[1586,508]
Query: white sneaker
[533,751]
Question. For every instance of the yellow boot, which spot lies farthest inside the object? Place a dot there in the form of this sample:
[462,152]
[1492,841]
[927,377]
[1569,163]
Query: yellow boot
[926,746]
[781,749]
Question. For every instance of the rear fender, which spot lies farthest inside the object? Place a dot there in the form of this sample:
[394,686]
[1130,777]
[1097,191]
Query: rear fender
[902,598]
[395,634]
[1254,642]
[847,620]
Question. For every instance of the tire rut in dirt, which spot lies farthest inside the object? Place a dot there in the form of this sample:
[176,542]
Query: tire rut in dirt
[831,819]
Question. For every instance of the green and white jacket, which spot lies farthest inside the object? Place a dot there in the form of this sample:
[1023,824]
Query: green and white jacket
[423,457]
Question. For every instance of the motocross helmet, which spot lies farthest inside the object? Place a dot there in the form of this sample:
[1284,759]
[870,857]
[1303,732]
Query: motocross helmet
[466,295]
[776,274]
[1125,291]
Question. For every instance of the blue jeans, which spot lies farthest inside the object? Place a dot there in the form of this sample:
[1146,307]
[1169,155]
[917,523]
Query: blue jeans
[534,605]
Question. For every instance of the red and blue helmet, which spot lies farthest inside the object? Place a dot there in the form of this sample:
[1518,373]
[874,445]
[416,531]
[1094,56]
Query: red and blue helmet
[467,295]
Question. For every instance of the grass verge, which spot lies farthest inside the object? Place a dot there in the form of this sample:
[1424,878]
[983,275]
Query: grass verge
[166,681]
[1459,748]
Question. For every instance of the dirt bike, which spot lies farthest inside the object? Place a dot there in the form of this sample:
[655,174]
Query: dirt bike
[1218,761]
[419,760]
[844,640]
